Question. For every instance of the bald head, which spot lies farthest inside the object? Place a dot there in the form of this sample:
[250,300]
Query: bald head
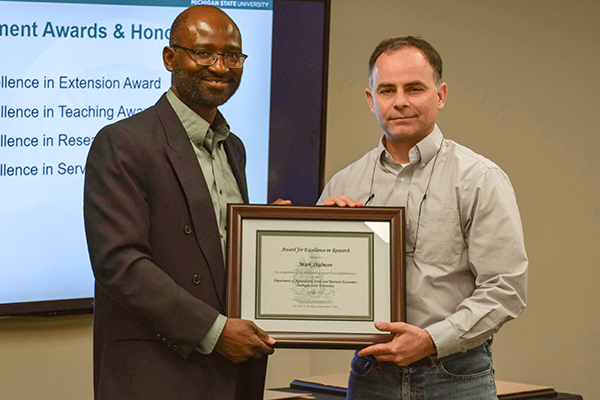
[197,18]
[200,85]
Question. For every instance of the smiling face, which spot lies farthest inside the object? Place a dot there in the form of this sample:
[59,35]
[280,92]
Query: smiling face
[204,88]
[403,97]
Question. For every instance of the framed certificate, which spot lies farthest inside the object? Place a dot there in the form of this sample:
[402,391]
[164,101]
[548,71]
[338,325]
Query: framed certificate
[317,277]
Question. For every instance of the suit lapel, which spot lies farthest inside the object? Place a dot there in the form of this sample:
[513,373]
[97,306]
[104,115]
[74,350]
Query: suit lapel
[185,164]
[237,166]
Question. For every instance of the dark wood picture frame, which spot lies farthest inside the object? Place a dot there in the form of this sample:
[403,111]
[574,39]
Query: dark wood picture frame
[394,216]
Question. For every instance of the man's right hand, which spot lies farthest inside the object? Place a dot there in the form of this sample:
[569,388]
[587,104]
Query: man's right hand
[342,201]
[242,339]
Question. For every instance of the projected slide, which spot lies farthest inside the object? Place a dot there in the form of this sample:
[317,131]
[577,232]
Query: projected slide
[69,69]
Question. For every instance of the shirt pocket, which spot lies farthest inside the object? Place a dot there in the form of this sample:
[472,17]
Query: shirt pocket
[439,237]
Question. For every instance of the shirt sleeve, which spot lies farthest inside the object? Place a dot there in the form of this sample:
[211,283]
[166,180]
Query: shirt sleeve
[208,343]
[496,257]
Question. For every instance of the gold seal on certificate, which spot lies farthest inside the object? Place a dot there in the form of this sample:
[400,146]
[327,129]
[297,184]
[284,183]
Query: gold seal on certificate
[317,276]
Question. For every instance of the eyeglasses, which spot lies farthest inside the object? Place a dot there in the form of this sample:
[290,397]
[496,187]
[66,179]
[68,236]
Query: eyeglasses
[209,57]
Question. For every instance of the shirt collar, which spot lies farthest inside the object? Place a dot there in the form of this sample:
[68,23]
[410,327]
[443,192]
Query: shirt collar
[421,153]
[196,127]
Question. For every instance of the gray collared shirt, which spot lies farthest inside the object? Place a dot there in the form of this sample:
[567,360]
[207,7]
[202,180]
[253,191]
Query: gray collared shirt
[208,145]
[467,275]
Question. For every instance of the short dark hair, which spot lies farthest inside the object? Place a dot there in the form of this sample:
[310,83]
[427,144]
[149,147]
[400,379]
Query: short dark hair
[393,44]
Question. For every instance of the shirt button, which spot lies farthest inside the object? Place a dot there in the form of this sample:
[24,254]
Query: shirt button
[196,279]
[187,229]
[175,347]
[402,180]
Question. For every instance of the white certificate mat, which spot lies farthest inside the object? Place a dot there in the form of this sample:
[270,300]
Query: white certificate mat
[307,275]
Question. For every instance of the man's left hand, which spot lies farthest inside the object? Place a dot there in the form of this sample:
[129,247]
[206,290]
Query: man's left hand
[410,344]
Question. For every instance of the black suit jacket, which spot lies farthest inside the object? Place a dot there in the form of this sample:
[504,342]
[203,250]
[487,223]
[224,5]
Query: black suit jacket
[155,250]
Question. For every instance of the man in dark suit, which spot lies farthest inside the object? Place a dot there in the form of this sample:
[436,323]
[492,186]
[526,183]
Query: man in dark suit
[156,191]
